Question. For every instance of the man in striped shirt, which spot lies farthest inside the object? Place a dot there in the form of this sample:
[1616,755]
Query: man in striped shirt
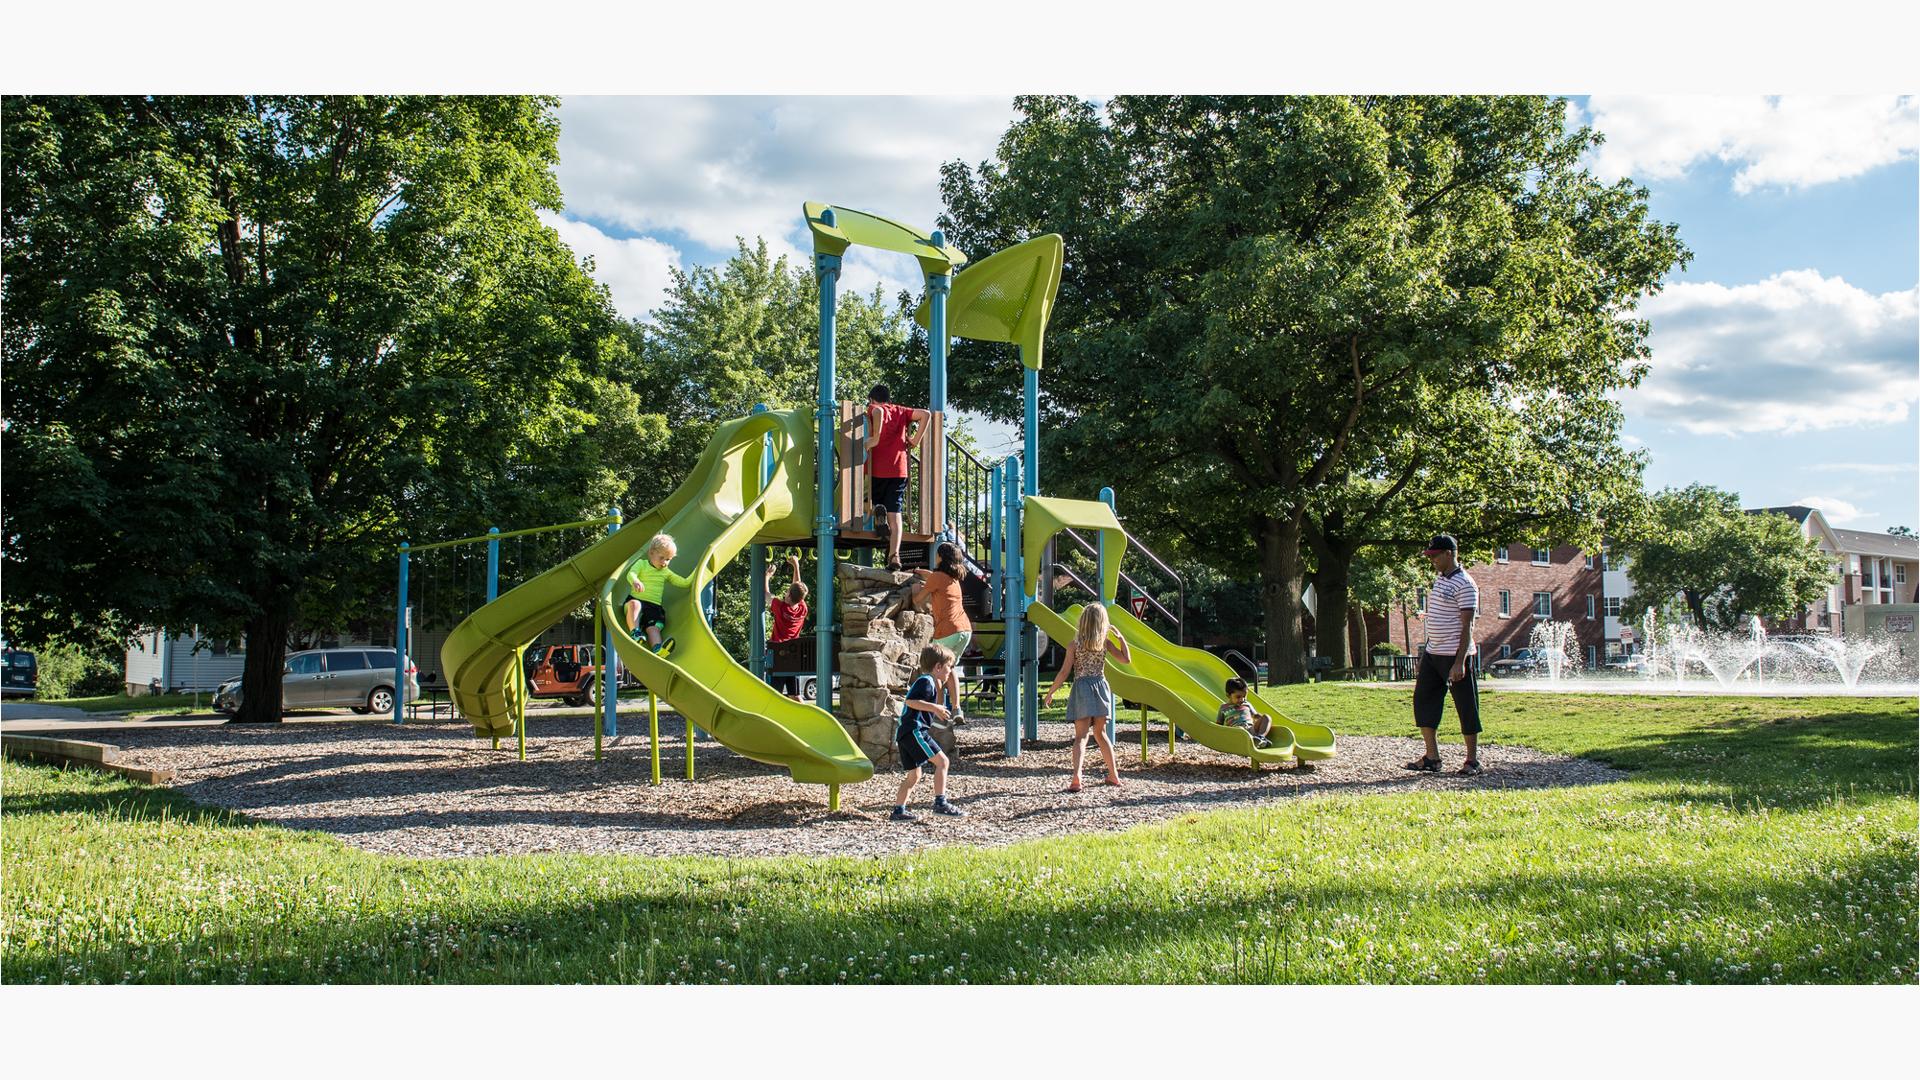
[1446,663]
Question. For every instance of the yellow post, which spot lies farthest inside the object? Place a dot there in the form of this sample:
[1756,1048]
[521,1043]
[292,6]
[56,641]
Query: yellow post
[653,731]
[833,797]
[600,714]
[1173,734]
[1143,733]
[690,734]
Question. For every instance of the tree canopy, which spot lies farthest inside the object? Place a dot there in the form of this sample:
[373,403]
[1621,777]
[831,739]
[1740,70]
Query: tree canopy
[1726,565]
[1265,297]
[251,343]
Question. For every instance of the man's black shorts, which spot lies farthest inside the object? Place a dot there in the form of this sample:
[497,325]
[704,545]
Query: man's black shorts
[1430,690]
[889,493]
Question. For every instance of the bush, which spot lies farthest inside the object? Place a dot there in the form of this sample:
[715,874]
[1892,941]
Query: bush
[1386,648]
[68,670]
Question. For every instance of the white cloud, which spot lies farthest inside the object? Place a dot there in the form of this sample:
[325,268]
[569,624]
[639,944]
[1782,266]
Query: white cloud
[634,269]
[1796,352]
[1838,512]
[714,168]
[1785,142]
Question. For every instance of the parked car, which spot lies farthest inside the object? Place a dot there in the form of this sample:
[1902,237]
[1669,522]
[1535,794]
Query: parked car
[1520,663]
[1629,665]
[19,674]
[568,672]
[360,679]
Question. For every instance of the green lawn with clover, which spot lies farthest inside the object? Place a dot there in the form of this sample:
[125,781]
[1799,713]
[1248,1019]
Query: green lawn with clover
[1752,840]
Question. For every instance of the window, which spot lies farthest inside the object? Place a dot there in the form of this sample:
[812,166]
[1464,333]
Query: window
[1593,656]
[1613,607]
[1589,605]
[308,664]
[1500,553]
[1589,562]
[1506,603]
[1420,602]
[1542,556]
[1543,605]
[1506,651]
[1900,573]
[347,661]
[381,660]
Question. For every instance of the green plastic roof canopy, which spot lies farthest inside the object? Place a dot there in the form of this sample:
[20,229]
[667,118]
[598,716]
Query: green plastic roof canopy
[871,230]
[1042,517]
[1007,296]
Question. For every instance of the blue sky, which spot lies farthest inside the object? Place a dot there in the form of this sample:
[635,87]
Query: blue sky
[1786,359]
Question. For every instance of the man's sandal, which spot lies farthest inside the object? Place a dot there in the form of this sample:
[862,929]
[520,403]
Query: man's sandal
[1471,767]
[1423,763]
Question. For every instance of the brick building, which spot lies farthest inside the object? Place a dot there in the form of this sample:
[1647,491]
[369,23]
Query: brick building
[1522,586]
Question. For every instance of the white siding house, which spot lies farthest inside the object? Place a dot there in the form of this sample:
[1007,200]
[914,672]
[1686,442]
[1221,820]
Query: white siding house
[181,662]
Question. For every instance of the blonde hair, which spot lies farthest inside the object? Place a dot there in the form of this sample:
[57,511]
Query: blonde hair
[661,542]
[1092,636]
[933,656]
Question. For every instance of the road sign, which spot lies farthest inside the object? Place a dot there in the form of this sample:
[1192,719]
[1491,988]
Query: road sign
[1138,602]
[1626,635]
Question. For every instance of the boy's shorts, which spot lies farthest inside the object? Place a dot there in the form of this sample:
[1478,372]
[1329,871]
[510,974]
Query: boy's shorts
[651,614]
[889,493]
[916,749]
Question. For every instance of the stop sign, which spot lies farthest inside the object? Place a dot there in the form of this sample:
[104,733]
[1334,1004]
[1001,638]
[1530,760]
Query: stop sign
[1138,602]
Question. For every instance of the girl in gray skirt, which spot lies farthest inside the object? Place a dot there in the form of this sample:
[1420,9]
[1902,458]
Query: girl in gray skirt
[1091,700]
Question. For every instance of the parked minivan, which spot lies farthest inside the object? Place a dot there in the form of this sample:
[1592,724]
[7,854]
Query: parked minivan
[19,673]
[360,679]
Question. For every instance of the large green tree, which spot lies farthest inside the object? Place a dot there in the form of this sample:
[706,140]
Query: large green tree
[251,343]
[1260,292]
[1725,564]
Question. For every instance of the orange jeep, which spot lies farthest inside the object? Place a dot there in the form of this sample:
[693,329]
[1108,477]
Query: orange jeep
[567,672]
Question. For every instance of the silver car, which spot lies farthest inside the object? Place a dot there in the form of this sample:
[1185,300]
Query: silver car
[360,679]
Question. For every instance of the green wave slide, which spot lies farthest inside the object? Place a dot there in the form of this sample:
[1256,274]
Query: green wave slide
[719,510]
[1185,685]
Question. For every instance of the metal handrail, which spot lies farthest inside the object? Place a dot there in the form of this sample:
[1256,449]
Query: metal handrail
[1252,668]
[1180,583]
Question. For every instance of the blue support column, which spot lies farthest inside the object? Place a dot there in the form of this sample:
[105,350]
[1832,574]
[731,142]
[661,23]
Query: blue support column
[827,269]
[1010,689]
[610,659]
[493,565]
[938,286]
[1106,496]
[1030,485]
[400,642]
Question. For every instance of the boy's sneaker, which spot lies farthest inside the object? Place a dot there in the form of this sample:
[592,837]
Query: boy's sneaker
[1261,742]
[665,649]
[901,813]
[942,806]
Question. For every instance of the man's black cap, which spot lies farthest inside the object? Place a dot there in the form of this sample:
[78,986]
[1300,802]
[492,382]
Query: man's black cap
[1442,542]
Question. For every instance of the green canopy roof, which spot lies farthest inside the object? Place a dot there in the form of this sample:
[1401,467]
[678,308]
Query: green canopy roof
[1042,517]
[870,230]
[1007,296]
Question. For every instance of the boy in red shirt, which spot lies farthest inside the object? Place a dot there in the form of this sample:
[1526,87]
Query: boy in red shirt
[789,615]
[887,443]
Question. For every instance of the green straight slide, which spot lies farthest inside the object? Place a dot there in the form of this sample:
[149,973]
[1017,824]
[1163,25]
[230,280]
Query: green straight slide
[719,510]
[1181,684]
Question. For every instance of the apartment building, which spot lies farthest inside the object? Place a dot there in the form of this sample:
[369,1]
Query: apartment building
[1522,587]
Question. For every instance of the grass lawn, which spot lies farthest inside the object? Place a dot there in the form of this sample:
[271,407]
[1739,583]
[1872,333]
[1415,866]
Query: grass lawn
[1754,840]
[145,704]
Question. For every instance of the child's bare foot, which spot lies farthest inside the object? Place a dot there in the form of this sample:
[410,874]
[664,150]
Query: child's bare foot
[1075,786]
[1112,780]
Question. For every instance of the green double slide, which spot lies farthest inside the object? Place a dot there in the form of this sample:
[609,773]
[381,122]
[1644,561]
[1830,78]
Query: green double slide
[720,509]
[1188,686]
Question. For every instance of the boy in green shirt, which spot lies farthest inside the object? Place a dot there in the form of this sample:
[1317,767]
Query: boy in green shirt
[647,582]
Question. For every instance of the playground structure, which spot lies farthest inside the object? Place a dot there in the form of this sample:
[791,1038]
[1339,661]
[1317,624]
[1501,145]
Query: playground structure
[782,477]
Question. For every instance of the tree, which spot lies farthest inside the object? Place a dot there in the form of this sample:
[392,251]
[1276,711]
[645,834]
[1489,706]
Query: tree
[1900,530]
[1261,292]
[1726,565]
[254,342]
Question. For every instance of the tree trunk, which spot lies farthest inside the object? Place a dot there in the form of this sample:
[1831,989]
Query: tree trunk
[1332,597]
[1280,578]
[260,685]
[1697,604]
[1357,635]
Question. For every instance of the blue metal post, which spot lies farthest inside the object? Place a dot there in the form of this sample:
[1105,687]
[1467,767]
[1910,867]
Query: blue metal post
[827,268]
[996,558]
[493,565]
[938,286]
[1010,688]
[610,659]
[757,588]
[1106,496]
[1031,486]
[400,642]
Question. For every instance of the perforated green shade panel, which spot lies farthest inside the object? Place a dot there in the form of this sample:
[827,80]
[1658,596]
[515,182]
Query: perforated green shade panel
[871,230]
[1007,296]
[1042,517]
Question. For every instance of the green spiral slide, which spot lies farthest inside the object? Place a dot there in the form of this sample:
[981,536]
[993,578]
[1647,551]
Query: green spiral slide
[720,509]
